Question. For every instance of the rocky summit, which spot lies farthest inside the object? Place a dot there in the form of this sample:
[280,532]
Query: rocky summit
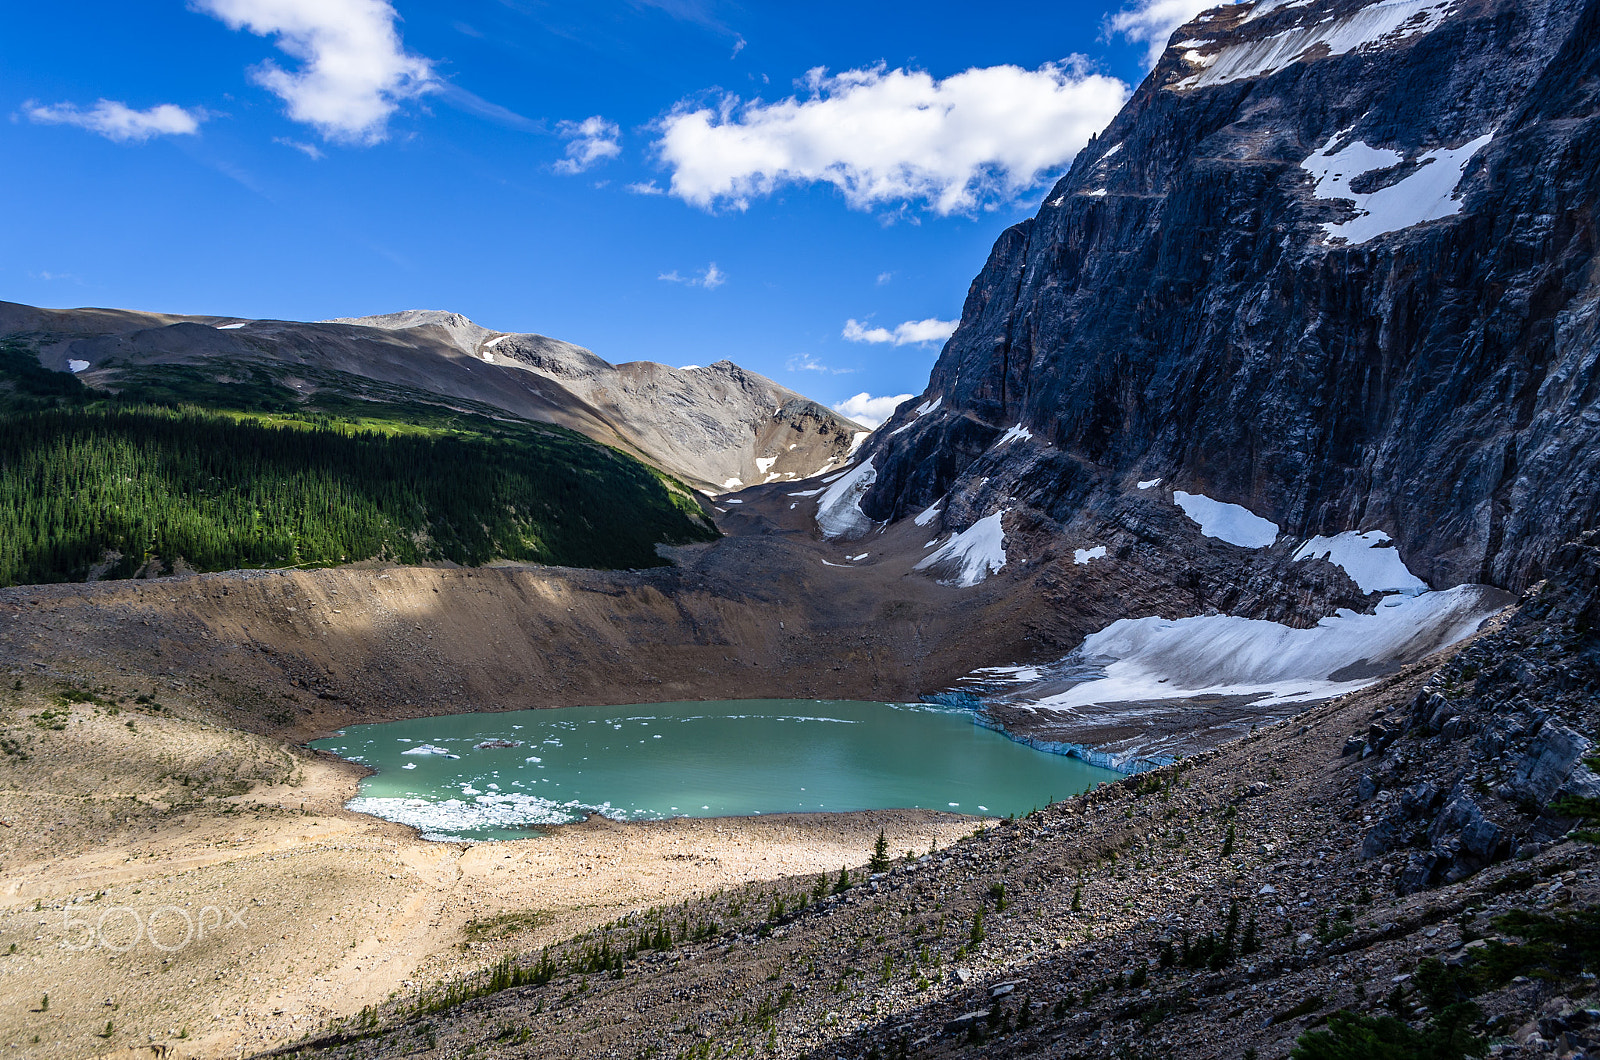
[1334,262]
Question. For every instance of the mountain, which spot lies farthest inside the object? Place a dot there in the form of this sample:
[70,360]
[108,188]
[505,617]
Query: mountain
[718,427]
[1333,263]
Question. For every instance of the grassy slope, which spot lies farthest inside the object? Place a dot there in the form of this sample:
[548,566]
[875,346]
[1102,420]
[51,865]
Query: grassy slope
[224,467]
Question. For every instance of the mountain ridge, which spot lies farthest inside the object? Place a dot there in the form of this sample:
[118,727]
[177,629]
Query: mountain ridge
[1184,307]
[718,428]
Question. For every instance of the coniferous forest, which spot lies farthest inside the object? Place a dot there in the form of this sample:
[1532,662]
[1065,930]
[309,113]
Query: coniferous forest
[179,468]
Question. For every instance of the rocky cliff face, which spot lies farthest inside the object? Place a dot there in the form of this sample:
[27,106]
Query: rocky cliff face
[1334,262]
[719,427]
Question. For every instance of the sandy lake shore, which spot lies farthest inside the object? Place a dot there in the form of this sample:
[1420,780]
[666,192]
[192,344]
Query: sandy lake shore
[229,924]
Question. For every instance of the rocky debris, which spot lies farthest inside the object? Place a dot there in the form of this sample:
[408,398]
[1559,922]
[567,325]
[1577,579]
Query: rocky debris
[1240,899]
[1490,759]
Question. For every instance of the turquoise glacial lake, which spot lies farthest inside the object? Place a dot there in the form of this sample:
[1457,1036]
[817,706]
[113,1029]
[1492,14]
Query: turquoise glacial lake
[503,775]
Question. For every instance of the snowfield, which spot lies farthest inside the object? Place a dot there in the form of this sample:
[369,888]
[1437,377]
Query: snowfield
[974,554]
[1372,562]
[1233,523]
[1158,658]
[1425,194]
[1376,26]
[839,511]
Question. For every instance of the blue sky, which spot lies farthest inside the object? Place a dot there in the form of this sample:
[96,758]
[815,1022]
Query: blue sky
[805,189]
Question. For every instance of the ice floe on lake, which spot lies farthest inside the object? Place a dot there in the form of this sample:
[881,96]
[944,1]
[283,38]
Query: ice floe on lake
[429,749]
[444,821]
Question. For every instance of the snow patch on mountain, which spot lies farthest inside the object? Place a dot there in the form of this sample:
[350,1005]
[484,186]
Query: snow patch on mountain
[1370,559]
[839,511]
[1233,523]
[1157,658]
[1375,26]
[1425,194]
[972,555]
[1019,431]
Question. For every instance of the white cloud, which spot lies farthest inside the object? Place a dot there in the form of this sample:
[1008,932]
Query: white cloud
[646,188]
[590,141]
[870,411]
[354,71]
[804,362]
[892,136]
[931,330]
[711,279]
[118,121]
[1152,22]
[884,277]
[311,151]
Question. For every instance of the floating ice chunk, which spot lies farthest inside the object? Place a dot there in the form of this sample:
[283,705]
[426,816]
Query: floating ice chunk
[1082,556]
[1019,431]
[428,749]
[1158,658]
[409,765]
[974,554]
[926,515]
[1370,559]
[75,366]
[1425,194]
[1149,483]
[1233,523]
[1372,27]
[839,511]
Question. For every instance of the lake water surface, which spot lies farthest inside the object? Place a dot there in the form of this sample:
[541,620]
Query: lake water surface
[498,776]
